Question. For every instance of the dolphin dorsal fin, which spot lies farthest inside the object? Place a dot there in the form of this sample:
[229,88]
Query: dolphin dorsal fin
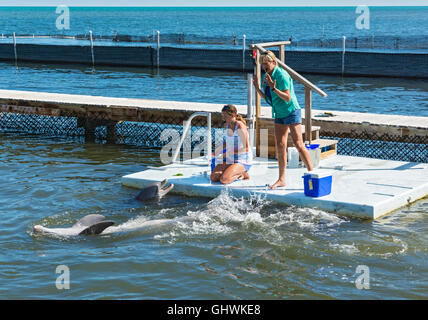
[89,220]
[97,228]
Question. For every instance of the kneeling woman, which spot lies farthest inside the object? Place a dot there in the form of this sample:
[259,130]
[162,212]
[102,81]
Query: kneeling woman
[236,150]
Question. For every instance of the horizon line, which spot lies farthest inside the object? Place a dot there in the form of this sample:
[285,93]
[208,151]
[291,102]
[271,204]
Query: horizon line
[211,6]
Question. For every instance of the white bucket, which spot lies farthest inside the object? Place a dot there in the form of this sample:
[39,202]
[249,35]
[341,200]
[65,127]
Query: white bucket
[292,158]
[315,155]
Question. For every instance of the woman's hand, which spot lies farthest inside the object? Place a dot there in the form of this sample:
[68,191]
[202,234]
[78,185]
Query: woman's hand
[269,81]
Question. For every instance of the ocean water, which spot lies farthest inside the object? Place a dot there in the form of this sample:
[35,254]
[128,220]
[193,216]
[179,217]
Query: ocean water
[227,248]
[258,24]
[222,248]
[356,94]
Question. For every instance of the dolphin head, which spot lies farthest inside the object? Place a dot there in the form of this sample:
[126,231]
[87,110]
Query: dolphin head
[88,225]
[154,190]
[38,229]
[164,189]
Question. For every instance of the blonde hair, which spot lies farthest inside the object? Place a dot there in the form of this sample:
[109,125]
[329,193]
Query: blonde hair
[267,56]
[231,109]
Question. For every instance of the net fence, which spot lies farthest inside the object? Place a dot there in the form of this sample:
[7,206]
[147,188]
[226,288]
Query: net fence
[159,131]
[368,42]
[383,42]
[380,146]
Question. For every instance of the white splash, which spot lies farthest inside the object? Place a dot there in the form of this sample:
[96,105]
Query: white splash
[349,249]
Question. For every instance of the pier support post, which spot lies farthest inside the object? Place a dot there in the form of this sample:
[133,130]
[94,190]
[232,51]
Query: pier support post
[92,48]
[243,52]
[90,126]
[158,49]
[282,53]
[111,133]
[343,54]
[14,48]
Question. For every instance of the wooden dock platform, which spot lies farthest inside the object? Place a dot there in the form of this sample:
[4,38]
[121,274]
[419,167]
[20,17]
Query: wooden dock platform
[117,109]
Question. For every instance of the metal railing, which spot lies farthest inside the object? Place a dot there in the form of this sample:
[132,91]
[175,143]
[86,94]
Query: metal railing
[186,128]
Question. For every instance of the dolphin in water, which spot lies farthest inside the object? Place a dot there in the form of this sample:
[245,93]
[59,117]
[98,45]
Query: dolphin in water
[96,224]
[88,225]
[154,190]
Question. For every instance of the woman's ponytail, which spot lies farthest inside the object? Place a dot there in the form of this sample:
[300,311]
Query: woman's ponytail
[240,118]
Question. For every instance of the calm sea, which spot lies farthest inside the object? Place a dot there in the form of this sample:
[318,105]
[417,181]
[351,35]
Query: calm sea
[261,23]
[233,248]
[357,94]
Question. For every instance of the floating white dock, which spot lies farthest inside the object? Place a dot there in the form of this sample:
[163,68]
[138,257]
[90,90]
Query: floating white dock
[362,187]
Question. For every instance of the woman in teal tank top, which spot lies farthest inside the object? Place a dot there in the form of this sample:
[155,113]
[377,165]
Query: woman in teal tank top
[278,92]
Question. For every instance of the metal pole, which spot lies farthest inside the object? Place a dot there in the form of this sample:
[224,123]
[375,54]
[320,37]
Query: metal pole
[257,72]
[343,54]
[250,108]
[243,52]
[158,48]
[14,48]
[249,95]
[92,47]
[209,139]
[308,114]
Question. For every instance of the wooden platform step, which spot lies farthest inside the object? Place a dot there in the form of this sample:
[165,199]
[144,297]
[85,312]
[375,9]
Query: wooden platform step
[328,148]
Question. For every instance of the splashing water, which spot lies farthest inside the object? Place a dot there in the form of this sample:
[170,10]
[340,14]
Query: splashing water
[226,214]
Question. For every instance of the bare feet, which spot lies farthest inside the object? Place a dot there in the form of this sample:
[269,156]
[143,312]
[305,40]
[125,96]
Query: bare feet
[244,176]
[279,183]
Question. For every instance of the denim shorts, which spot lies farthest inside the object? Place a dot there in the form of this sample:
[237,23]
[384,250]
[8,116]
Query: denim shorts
[293,118]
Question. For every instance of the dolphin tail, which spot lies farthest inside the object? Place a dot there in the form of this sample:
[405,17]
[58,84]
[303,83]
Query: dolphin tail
[96,228]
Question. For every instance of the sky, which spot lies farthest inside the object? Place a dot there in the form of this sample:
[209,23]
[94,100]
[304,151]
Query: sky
[217,3]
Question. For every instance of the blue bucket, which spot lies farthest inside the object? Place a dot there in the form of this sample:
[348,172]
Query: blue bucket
[312,146]
[212,164]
